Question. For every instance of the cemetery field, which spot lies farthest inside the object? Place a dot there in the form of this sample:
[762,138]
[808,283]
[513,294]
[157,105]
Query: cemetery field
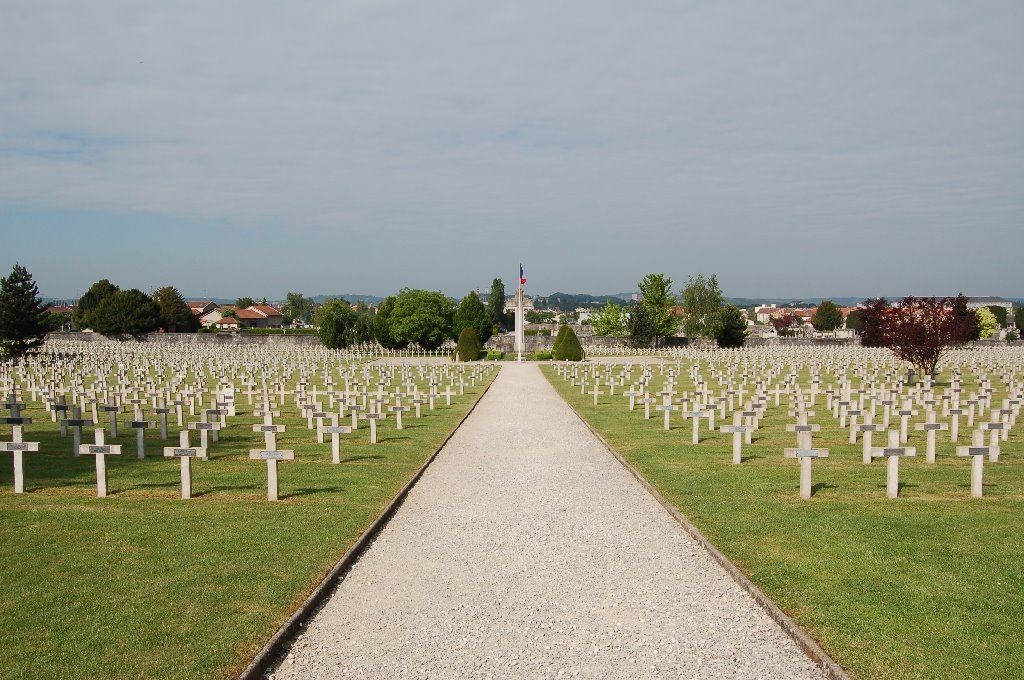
[927,585]
[145,584]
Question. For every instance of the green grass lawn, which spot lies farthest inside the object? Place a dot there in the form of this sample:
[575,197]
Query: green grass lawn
[144,584]
[930,585]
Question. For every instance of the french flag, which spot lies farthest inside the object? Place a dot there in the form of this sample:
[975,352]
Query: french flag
[522,279]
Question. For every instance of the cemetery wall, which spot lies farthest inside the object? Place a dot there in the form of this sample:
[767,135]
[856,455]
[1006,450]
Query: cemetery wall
[205,339]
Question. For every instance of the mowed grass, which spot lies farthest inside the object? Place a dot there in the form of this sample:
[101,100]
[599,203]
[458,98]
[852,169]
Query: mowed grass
[930,585]
[144,584]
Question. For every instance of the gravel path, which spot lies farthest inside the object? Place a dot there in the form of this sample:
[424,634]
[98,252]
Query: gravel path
[527,551]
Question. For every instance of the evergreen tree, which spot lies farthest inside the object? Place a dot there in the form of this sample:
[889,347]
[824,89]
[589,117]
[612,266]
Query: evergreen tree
[468,348]
[471,314]
[243,302]
[175,315]
[827,317]
[496,307]
[23,316]
[733,332]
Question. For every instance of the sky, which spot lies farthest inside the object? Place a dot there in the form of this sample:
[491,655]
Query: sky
[795,149]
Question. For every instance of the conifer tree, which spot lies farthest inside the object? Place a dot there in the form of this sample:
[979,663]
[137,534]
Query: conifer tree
[23,316]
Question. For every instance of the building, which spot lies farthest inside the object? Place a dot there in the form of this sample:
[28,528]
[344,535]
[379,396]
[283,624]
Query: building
[256,316]
[979,302]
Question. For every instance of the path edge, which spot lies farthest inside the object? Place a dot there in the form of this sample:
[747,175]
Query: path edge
[802,639]
[290,628]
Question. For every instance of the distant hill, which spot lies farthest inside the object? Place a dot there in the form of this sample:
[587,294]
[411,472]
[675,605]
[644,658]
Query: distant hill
[351,297]
[795,302]
[570,301]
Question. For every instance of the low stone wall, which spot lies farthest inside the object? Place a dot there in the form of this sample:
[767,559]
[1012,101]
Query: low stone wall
[208,339]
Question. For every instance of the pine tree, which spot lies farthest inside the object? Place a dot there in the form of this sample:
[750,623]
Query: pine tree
[23,316]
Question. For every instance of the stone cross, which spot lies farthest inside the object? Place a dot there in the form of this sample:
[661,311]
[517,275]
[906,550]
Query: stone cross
[667,409]
[977,452]
[892,453]
[100,450]
[737,432]
[204,428]
[18,447]
[398,410]
[993,442]
[270,432]
[140,427]
[373,418]
[806,457]
[867,430]
[335,430]
[272,457]
[185,453]
[931,427]
[695,417]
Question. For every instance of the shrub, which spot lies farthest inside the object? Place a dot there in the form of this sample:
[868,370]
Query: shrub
[495,355]
[1012,336]
[542,355]
[570,348]
[560,337]
[468,348]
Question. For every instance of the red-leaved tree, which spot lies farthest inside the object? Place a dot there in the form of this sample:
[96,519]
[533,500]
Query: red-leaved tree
[918,330]
[787,323]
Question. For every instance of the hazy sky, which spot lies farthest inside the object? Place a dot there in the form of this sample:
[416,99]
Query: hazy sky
[793,148]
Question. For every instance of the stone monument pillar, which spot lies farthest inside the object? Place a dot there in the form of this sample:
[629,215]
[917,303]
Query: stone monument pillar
[520,325]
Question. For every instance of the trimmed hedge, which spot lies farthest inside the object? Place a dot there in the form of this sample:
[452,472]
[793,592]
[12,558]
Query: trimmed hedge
[569,349]
[468,348]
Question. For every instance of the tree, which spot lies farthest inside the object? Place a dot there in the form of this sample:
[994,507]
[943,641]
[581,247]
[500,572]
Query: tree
[569,349]
[1002,316]
[1018,318]
[964,326]
[468,348]
[786,323]
[126,312]
[90,301]
[827,317]
[175,315]
[702,300]
[423,317]
[23,316]
[245,302]
[658,300]
[298,308]
[853,321]
[610,320]
[918,330]
[987,323]
[641,327]
[733,332]
[472,314]
[496,307]
[382,325]
[872,315]
[362,329]
[336,323]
